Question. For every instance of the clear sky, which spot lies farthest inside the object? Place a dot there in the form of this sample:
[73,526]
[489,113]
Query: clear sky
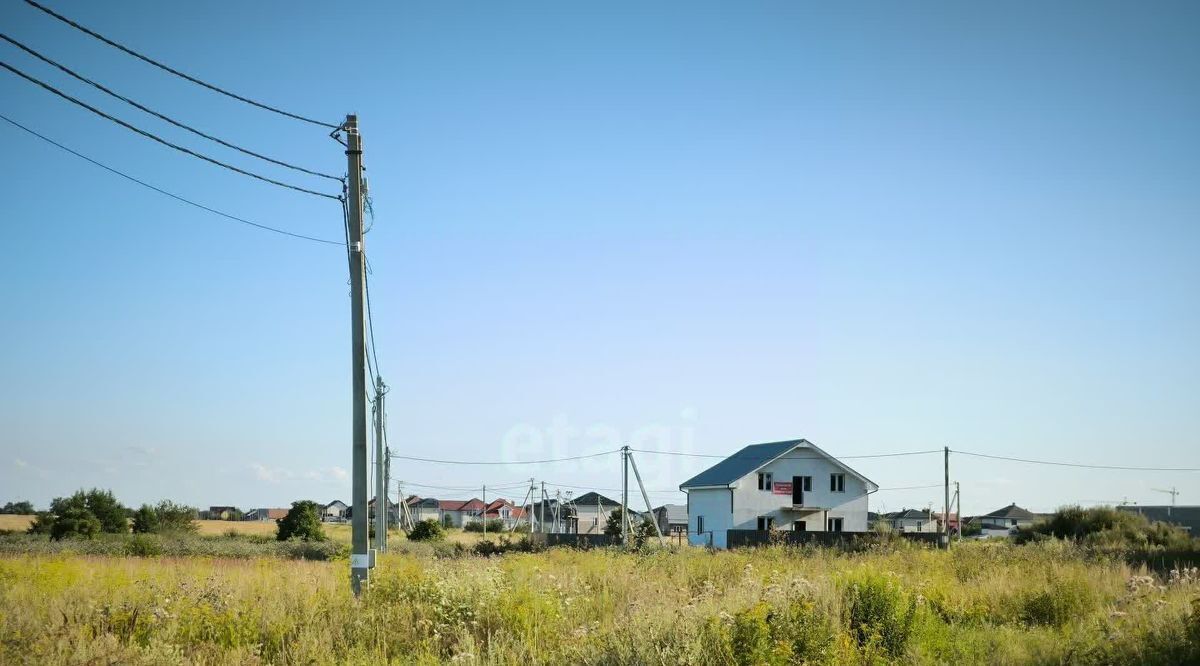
[683,225]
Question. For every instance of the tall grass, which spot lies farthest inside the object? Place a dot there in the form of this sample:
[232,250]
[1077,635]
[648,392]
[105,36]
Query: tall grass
[980,603]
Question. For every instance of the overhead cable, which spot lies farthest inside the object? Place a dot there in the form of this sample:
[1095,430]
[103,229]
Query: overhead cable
[169,194]
[176,72]
[505,462]
[154,137]
[756,456]
[156,114]
[1083,465]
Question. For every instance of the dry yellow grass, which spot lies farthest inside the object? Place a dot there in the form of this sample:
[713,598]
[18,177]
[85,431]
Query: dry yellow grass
[337,531]
[15,522]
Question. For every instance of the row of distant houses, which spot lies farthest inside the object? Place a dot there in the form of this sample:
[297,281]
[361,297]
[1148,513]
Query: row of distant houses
[791,485]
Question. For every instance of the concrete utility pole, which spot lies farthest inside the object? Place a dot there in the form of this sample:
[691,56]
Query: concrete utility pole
[381,495]
[958,508]
[360,558]
[530,516]
[646,497]
[946,506]
[542,510]
[484,511]
[625,495]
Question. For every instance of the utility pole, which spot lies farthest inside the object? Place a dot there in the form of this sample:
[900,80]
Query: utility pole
[946,506]
[646,497]
[381,500]
[958,508]
[542,510]
[485,511]
[530,516]
[625,495]
[360,558]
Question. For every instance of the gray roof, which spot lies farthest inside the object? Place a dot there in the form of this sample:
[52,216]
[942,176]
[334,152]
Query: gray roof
[1012,511]
[590,499]
[910,514]
[741,463]
[676,513]
[753,457]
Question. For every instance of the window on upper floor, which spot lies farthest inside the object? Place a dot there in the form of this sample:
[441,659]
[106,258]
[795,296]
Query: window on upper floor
[764,480]
[837,483]
[806,484]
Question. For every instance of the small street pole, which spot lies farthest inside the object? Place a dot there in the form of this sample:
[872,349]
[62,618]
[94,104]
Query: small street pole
[542,510]
[381,495]
[484,514]
[530,516]
[359,556]
[625,495]
[946,506]
[958,508]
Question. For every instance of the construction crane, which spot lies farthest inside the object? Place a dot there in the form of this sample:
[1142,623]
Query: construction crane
[1172,492]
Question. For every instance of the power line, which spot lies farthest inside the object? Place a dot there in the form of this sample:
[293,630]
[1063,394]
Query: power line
[156,114]
[1083,465]
[162,191]
[611,490]
[501,462]
[175,71]
[370,322]
[932,485]
[154,137]
[756,456]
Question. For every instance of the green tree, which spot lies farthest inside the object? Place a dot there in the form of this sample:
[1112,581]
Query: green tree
[641,531]
[75,522]
[20,508]
[174,517]
[42,524]
[113,517]
[145,520]
[303,521]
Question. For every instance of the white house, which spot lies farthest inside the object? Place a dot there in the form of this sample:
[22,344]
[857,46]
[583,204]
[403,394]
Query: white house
[790,485]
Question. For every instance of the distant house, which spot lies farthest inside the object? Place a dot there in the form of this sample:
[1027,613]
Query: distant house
[426,508]
[672,519]
[456,513]
[393,511]
[912,520]
[504,511]
[789,485]
[265,514]
[334,512]
[1003,521]
[1187,517]
[590,512]
[220,513]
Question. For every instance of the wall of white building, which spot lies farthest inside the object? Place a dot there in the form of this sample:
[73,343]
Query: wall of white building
[712,506]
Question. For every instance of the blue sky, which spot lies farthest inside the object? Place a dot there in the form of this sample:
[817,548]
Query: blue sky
[689,226]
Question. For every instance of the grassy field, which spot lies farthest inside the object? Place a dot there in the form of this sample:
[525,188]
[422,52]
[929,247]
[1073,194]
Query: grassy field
[981,603]
[14,522]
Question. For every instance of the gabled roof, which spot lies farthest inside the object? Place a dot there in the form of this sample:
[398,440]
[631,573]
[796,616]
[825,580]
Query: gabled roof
[910,514]
[473,504]
[676,513]
[591,499]
[754,457]
[1012,511]
[344,505]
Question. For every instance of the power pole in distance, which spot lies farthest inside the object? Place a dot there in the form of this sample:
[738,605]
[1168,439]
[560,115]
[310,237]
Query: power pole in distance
[946,506]
[958,508]
[360,558]
[625,495]
[381,500]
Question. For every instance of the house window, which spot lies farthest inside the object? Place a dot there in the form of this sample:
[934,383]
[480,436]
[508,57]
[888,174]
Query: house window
[835,525]
[837,483]
[799,526]
[764,480]
[806,484]
[699,524]
[766,523]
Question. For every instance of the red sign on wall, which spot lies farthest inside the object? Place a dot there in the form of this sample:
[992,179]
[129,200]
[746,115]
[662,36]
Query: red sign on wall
[782,487]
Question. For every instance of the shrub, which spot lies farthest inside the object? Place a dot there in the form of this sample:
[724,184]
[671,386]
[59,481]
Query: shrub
[494,526]
[303,521]
[75,523]
[1107,529]
[879,612]
[427,530]
[751,637]
[101,504]
[42,524]
[1057,603]
[143,545]
[145,520]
